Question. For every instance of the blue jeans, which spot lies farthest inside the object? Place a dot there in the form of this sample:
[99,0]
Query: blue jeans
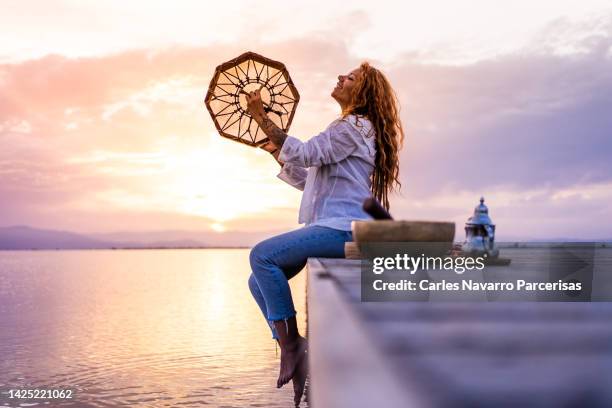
[278,259]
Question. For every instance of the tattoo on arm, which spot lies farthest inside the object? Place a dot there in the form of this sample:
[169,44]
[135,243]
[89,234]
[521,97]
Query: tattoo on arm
[276,135]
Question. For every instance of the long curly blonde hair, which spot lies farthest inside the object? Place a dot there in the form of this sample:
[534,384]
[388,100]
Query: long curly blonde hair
[374,98]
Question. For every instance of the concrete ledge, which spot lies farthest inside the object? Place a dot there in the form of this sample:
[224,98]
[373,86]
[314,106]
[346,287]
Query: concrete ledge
[346,370]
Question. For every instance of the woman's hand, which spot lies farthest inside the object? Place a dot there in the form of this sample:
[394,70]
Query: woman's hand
[255,105]
[256,109]
[269,147]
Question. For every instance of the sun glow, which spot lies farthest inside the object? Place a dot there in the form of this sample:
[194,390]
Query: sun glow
[217,180]
[218,227]
[223,181]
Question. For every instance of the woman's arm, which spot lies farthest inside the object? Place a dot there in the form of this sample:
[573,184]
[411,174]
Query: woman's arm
[294,176]
[256,109]
[273,150]
[290,174]
[332,145]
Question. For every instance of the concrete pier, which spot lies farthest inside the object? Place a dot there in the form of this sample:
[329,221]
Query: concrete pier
[452,354]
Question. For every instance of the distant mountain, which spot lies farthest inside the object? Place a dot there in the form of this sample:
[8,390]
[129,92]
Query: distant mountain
[24,237]
[155,236]
[510,239]
[205,238]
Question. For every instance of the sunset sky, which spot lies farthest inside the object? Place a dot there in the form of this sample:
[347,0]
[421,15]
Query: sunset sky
[103,127]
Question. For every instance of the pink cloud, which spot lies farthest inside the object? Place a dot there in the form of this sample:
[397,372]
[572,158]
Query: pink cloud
[486,127]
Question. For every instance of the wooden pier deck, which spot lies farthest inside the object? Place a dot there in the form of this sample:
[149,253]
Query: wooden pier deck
[452,354]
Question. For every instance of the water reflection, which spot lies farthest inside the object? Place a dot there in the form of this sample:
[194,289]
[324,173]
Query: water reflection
[138,328]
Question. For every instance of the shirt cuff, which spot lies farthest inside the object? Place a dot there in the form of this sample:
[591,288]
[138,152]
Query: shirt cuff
[288,149]
[293,175]
[284,175]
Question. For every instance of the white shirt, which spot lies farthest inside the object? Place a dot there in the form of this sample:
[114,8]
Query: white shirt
[333,169]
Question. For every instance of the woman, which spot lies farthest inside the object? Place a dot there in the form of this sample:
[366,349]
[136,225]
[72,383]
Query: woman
[355,157]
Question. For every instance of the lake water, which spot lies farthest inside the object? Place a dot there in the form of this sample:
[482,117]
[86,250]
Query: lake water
[138,328]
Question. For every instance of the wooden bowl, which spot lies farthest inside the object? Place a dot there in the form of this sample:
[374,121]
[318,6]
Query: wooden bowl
[403,231]
[391,237]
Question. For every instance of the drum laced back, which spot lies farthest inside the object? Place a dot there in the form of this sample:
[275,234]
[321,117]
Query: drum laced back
[226,97]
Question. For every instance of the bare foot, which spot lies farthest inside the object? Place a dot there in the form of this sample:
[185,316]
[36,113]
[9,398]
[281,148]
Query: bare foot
[299,378]
[290,358]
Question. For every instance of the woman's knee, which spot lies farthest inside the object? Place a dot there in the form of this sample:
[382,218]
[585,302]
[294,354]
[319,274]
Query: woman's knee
[253,285]
[258,255]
